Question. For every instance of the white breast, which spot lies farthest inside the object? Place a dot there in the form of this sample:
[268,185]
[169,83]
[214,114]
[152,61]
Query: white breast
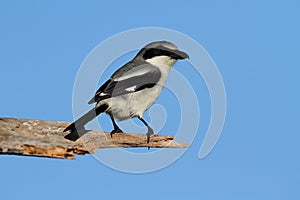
[135,104]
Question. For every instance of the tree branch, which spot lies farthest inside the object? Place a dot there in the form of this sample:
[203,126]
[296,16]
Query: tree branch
[46,139]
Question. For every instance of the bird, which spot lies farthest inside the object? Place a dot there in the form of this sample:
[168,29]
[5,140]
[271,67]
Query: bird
[132,89]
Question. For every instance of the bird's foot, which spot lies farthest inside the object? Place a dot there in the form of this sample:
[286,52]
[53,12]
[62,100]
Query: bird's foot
[116,130]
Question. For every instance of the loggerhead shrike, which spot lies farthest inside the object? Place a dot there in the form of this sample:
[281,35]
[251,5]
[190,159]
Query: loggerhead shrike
[132,89]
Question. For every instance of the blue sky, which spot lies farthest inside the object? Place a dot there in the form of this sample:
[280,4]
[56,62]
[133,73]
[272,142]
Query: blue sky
[256,47]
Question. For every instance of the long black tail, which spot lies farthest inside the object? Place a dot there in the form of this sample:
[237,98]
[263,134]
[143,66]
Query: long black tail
[77,127]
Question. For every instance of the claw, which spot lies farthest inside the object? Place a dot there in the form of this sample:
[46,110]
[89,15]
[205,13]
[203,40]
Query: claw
[115,131]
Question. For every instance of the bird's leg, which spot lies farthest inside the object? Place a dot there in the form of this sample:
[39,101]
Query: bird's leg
[116,128]
[150,130]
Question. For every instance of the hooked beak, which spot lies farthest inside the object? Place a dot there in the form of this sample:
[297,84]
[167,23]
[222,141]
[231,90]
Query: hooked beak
[180,55]
[183,55]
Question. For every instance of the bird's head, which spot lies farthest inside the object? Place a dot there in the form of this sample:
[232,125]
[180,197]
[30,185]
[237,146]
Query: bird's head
[161,53]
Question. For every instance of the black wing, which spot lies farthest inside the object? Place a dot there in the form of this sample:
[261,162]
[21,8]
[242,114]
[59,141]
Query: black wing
[112,88]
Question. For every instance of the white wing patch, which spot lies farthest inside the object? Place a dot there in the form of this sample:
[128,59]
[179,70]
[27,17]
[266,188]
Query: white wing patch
[131,89]
[102,94]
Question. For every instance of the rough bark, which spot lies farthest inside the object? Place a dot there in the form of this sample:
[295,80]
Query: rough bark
[46,139]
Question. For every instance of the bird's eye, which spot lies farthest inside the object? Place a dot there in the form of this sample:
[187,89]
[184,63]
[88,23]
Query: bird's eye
[156,52]
[150,53]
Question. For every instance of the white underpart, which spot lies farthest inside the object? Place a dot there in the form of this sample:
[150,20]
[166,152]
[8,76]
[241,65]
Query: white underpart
[136,103]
